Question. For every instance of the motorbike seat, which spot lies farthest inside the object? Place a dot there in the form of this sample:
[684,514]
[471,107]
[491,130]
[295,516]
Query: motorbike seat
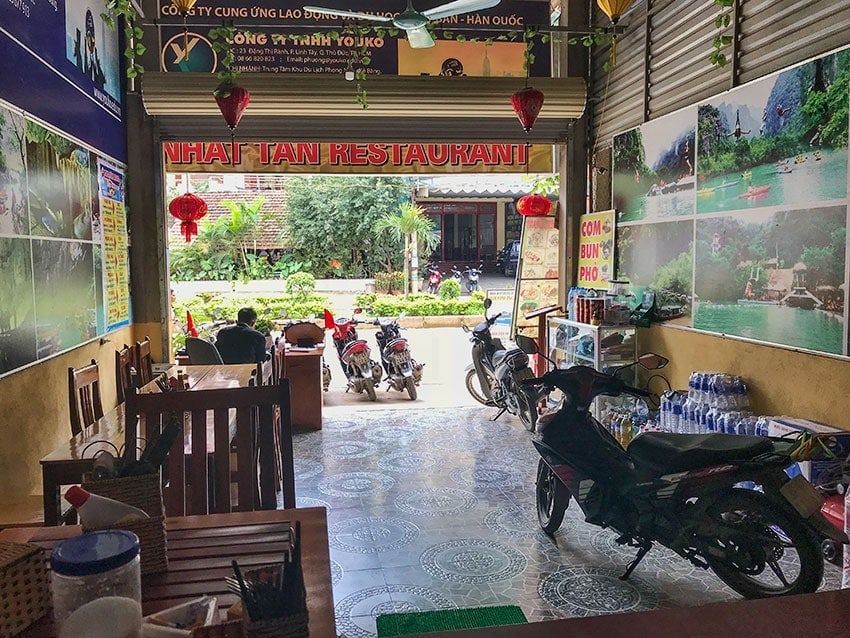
[498,357]
[659,453]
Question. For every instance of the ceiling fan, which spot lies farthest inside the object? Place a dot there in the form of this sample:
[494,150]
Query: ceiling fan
[411,21]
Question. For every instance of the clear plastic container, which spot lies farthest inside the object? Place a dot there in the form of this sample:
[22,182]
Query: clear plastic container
[92,566]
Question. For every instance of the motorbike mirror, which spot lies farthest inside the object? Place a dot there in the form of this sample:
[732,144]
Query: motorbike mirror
[465,327]
[487,303]
[357,311]
[652,361]
[527,344]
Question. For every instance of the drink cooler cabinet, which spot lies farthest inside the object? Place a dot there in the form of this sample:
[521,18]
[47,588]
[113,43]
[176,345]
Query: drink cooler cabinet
[603,347]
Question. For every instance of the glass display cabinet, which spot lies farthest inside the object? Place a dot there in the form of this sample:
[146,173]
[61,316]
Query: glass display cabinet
[603,347]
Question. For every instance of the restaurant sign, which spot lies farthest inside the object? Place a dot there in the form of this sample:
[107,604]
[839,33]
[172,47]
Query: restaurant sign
[596,249]
[347,158]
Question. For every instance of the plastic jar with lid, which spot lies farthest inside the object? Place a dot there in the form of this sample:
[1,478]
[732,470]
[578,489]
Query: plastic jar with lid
[92,566]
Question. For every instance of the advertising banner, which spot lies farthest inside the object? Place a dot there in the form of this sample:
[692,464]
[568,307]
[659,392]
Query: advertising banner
[282,37]
[344,158]
[48,44]
[537,275]
[596,250]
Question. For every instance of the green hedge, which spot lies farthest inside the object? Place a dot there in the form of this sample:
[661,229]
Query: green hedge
[420,305]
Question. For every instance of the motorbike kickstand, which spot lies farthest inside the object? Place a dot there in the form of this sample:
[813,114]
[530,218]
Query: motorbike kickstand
[643,550]
[501,412]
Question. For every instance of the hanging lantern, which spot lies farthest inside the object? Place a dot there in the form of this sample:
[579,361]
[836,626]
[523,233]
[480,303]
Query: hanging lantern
[232,101]
[183,8]
[614,9]
[527,104]
[188,208]
[534,206]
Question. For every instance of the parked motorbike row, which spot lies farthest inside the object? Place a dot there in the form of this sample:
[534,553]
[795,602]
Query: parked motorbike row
[403,372]
[683,491]
[468,278]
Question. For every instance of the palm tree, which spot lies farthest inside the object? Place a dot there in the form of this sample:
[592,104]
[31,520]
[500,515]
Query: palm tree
[414,227]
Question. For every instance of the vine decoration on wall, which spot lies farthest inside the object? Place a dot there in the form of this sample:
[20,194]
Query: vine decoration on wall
[115,11]
[721,40]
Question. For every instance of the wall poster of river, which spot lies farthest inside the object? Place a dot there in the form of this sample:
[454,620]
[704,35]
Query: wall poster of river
[734,211]
[778,277]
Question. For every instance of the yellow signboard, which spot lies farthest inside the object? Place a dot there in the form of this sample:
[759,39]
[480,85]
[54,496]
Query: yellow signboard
[596,250]
[348,158]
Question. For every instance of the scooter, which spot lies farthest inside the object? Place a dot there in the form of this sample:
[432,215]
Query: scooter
[495,375]
[362,372]
[471,276]
[679,490]
[435,277]
[403,371]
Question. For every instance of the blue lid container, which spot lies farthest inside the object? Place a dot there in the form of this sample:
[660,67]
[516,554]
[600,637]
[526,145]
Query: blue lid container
[94,553]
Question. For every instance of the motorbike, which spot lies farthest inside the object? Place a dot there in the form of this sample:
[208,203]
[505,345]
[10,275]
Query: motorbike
[471,276]
[683,491]
[403,371]
[458,276]
[496,374]
[362,373]
[433,279]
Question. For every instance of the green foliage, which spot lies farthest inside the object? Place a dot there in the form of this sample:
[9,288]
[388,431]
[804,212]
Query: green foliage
[133,34]
[301,285]
[410,221]
[675,276]
[721,22]
[419,305]
[449,289]
[264,325]
[331,219]
[389,282]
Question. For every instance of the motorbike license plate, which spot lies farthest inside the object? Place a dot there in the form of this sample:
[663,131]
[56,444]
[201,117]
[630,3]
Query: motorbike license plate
[800,493]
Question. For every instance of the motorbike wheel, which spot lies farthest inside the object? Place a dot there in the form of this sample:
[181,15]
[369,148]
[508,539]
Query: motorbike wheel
[765,550]
[552,501]
[370,389]
[411,388]
[474,387]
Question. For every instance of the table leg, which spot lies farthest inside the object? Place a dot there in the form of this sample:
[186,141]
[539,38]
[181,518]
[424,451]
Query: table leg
[52,503]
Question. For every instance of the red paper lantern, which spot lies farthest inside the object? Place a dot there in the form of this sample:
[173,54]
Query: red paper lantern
[188,208]
[527,104]
[533,206]
[232,101]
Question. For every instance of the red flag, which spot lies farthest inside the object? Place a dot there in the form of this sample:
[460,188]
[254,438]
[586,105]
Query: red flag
[329,320]
[190,325]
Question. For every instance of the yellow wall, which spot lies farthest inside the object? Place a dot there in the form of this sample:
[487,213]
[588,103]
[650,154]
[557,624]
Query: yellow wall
[34,415]
[781,381]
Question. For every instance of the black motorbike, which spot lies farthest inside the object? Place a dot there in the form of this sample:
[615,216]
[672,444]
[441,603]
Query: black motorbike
[403,371]
[495,375]
[680,490]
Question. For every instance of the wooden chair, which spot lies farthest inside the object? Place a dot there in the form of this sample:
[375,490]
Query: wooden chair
[84,396]
[144,362]
[256,418]
[123,376]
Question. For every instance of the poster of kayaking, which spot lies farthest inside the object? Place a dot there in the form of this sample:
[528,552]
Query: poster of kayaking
[779,141]
[654,169]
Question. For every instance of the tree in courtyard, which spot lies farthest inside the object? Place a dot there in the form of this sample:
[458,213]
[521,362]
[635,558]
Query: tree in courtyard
[413,227]
[329,220]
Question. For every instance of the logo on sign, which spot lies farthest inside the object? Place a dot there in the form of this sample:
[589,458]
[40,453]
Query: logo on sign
[181,54]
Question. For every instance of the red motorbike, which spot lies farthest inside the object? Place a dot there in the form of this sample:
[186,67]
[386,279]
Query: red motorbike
[435,277]
[362,372]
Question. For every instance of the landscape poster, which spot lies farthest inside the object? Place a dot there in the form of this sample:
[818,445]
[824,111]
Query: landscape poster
[653,177]
[778,141]
[13,184]
[17,312]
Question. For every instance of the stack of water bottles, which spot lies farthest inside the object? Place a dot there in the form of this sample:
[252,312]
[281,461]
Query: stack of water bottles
[714,402]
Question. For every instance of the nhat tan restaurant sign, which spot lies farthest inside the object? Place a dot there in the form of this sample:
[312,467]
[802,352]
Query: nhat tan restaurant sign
[596,249]
[347,158]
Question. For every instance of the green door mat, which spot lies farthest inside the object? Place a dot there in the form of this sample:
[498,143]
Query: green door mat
[448,620]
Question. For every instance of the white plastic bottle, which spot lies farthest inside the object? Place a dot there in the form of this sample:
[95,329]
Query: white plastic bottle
[97,512]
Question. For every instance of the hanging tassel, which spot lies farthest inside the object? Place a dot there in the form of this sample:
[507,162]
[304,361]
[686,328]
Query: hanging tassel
[186,36]
[614,50]
[233,146]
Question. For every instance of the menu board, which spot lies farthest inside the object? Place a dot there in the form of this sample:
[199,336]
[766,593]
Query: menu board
[596,250]
[537,274]
[116,272]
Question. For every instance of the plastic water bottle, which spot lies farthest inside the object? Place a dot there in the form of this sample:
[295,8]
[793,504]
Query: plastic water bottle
[693,386]
[676,421]
[761,426]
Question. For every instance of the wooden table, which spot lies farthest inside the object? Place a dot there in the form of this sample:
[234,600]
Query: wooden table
[67,464]
[304,371]
[200,549]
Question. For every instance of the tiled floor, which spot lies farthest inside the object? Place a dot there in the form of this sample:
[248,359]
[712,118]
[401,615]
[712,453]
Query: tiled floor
[434,508]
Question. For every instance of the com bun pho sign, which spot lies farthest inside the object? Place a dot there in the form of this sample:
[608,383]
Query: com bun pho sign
[596,250]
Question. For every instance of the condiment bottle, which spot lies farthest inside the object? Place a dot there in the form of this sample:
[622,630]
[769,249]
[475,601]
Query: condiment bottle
[98,512]
[91,566]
